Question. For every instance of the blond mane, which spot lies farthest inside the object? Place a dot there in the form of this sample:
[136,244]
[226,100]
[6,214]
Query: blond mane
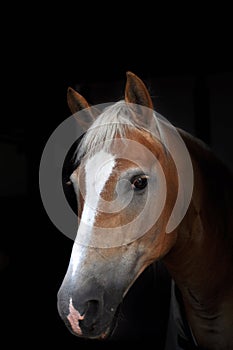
[114,120]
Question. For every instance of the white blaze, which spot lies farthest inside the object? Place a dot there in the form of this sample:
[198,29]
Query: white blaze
[98,170]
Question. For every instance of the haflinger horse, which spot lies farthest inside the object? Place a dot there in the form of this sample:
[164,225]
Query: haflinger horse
[128,180]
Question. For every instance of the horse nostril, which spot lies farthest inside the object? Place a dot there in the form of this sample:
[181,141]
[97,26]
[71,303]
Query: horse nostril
[91,313]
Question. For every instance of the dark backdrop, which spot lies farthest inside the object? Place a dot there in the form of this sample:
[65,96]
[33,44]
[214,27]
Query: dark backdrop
[191,82]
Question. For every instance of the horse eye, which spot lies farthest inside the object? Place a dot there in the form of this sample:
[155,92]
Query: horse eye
[139,182]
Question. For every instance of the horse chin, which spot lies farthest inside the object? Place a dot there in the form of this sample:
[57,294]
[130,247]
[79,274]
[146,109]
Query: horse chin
[98,336]
[103,334]
[109,330]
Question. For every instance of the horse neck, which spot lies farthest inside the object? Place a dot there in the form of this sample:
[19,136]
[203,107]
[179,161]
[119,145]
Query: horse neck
[201,260]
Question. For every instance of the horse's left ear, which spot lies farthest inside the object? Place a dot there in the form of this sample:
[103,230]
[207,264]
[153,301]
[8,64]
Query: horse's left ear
[136,91]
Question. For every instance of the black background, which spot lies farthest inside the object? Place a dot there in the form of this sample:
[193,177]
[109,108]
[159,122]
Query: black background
[188,70]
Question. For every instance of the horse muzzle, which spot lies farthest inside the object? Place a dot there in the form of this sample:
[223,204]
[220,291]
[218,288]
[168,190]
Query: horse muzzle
[90,315]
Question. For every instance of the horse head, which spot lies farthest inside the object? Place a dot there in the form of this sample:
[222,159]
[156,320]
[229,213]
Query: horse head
[124,205]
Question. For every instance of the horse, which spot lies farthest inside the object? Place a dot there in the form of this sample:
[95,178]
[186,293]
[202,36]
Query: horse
[145,197]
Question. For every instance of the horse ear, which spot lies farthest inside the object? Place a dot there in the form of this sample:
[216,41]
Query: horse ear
[76,103]
[136,91]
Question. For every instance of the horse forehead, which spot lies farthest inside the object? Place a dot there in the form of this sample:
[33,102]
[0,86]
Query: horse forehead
[98,169]
[105,168]
[138,149]
[146,139]
[99,176]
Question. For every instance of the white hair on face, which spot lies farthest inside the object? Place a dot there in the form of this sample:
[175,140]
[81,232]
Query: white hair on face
[114,120]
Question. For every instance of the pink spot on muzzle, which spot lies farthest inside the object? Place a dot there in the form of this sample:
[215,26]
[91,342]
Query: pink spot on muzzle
[74,317]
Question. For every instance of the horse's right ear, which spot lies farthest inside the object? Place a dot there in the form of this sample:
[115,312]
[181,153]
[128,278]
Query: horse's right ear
[77,103]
